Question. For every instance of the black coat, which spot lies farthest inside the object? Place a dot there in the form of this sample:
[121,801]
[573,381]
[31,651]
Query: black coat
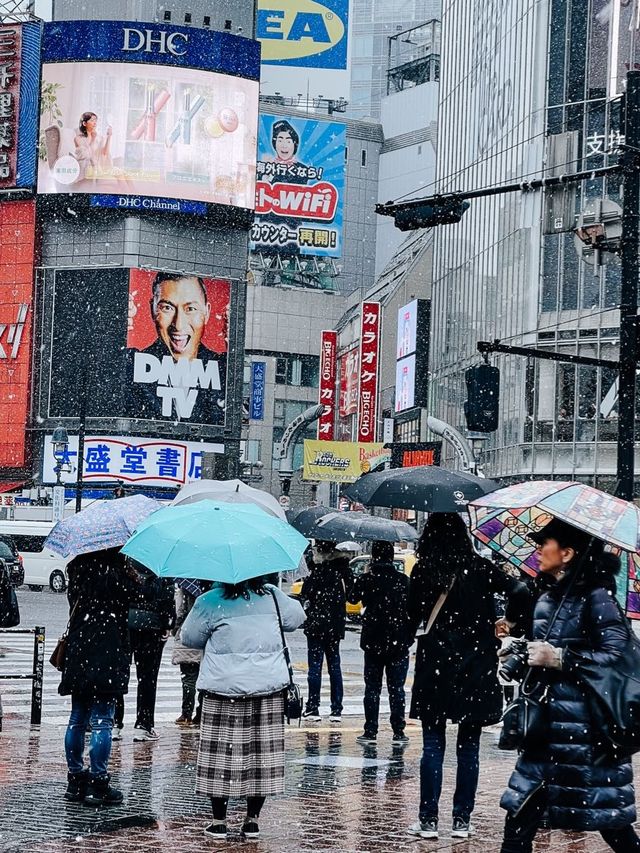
[456,664]
[587,787]
[153,608]
[384,593]
[324,598]
[98,654]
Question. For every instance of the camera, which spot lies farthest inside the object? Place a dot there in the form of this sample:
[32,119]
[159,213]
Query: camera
[513,665]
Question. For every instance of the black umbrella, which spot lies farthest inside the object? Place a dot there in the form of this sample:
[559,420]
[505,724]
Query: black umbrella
[304,520]
[426,487]
[362,527]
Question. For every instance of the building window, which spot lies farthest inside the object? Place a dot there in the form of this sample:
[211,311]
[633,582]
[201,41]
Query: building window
[363,157]
[187,17]
[253,450]
[167,16]
[300,371]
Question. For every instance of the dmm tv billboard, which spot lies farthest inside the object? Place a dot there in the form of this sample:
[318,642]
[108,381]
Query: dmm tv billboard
[148,116]
[300,186]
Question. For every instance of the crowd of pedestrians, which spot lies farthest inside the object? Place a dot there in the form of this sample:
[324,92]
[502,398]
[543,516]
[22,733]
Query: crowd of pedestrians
[230,646]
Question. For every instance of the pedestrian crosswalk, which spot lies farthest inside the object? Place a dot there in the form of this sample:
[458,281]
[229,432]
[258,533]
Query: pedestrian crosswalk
[16,695]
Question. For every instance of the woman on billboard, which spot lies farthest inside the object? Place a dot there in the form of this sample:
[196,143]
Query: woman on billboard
[93,152]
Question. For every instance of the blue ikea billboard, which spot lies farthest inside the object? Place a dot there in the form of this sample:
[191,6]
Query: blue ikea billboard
[310,33]
[138,112]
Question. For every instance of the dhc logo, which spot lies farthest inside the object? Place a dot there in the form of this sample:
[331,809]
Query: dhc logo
[294,29]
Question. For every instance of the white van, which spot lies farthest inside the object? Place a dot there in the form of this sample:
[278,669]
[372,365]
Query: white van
[42,567]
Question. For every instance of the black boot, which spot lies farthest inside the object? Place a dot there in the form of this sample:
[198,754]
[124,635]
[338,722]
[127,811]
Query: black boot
[100,792]
[77,786]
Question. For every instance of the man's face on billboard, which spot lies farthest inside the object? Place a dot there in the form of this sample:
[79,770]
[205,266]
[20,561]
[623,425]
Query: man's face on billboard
[285,146]
[180,313]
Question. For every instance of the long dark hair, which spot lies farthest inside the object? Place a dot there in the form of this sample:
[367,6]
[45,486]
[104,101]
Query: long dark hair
[85,117]
[444,550]
[244,589]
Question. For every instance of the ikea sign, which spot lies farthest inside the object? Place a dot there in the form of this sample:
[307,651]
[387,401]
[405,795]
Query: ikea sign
[310,33]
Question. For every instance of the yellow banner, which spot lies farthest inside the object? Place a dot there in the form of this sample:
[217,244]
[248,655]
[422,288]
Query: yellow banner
[341,461]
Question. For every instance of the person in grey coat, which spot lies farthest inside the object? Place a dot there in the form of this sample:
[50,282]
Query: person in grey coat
[187,659]
[243,676]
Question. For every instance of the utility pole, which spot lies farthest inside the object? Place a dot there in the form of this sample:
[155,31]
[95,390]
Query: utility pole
[629,290]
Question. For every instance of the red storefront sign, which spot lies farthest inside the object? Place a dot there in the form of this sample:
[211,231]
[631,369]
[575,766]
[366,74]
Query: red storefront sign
[349,363]
[368,384]
[17,242]
[327,395]
[10,52]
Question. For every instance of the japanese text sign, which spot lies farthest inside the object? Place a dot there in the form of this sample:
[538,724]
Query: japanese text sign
[300,186]
[327,395]
[258,381]
[349,364]
[133,459]
[19,73]
[368,382]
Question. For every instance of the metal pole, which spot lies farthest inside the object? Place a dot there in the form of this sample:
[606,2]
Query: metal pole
[38,676]
[629,291]
[81,435]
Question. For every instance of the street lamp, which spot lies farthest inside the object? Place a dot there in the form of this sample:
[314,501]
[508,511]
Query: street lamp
[60,445]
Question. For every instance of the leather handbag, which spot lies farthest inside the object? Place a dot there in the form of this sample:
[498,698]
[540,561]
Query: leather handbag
[59,653]
[293,699]
[613,693]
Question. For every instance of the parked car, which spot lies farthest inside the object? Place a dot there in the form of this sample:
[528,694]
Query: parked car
[12,559]
[42,567]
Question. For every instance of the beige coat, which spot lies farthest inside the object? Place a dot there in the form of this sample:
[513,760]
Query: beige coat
[181,654]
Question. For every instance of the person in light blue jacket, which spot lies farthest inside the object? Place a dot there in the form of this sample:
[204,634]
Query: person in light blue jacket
[243,677]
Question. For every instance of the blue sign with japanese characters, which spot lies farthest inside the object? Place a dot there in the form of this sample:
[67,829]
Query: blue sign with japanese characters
[132,459]
[258,381]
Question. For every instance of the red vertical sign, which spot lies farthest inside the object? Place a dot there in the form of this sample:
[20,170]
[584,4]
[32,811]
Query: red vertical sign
[327,396]
[368,384]
[10,49]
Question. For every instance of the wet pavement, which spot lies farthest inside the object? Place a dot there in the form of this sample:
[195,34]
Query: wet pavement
[340,797]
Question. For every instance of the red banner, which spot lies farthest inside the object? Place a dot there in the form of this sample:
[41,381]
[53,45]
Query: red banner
[368,384]
[327,396]
[10,50]
[17,241]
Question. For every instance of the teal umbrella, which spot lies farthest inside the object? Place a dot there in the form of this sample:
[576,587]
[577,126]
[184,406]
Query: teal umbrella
[215,542]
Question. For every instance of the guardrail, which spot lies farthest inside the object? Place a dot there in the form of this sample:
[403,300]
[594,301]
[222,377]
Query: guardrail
[36,676]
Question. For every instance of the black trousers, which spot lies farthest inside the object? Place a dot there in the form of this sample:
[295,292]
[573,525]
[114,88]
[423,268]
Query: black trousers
[520,830]
[219,806]
[146,650]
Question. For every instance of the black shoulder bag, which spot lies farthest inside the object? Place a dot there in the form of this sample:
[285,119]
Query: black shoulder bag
[525,720]
[293,700]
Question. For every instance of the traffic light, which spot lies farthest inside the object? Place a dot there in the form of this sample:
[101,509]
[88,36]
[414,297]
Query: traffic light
[428,215]
[483,398]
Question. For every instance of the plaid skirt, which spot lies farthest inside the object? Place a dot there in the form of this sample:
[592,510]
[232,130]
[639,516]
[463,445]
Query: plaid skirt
[241,750]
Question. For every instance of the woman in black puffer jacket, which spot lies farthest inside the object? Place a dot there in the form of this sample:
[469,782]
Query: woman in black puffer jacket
[574,775]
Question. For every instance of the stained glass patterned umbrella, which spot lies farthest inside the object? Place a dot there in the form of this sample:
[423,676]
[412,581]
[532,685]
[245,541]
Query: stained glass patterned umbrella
[504,519]
[104,524]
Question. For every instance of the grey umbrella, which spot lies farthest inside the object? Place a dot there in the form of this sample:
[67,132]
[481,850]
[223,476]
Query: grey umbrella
[362,527]
[428,488]
[304,520]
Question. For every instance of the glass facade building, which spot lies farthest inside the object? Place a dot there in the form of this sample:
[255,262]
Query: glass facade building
[371,24]
[522,73]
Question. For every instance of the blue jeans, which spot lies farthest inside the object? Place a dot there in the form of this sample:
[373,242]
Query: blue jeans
[99,713]
[317,650]
[374,668]
[467,750]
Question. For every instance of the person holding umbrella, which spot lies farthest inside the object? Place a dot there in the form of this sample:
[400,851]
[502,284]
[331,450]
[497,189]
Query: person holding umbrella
[95,670]
[451,600]
[324,598]
[571,771]
[243,675]
[385,639]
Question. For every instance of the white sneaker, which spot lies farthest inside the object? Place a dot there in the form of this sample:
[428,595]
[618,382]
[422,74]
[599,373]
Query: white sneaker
[335,718]
[428,829]
[314,716]
[139,734]
[462,828]
[116,733]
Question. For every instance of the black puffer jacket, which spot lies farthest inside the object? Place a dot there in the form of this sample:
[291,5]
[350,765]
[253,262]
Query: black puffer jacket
[587,788]
[384,593]
[97,658]
[324,597]
[456,665]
